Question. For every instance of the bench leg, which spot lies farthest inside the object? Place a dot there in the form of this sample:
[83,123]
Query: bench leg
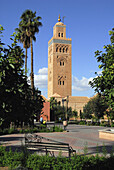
[46,151]
[69,153]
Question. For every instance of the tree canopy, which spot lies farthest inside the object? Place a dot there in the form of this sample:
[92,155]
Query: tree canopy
[104,83]
[96,106]
[28,27]
[16,104]
[57,111]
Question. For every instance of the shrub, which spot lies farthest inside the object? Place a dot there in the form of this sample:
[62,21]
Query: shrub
[27,160]
[112,125]
[73,122]
[41,128]
[12,130]
[58,129]
[82,123]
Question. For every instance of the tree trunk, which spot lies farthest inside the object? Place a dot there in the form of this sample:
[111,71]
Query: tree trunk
[26,62]
[32,74]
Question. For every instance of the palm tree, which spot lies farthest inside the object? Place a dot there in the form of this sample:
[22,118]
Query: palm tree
[23,38]
[30,24]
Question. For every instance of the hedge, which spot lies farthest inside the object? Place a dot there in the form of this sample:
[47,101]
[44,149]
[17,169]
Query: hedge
[25,159]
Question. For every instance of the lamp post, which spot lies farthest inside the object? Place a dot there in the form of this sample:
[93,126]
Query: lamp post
[67,100]
[38,95]
[65,121]
[63,105]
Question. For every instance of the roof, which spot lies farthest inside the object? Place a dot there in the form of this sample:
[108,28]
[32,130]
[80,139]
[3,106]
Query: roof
[55,95]
[59,23]
[44,98]
[78,99]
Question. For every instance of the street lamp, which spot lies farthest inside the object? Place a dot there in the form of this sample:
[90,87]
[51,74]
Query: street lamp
[63,106]
[65,121]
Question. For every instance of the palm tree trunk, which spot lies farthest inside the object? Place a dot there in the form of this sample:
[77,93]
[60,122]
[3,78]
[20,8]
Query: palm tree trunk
[32,74]
[26,62]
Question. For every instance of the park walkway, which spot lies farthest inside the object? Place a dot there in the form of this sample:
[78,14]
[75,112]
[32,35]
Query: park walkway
[79,137]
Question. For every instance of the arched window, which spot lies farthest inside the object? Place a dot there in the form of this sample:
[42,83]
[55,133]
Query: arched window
[57,49]
[63,82]
[62,63]
[66,50]
[61,34]
[63,50]
[60,49]
[60,82]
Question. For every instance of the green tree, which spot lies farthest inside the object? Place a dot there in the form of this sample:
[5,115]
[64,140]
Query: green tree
[104,83]
[16,104]
[69,113]
[81,115]
[87,110]
[57,111]
[12,82]
[30,24]
[95,106]
[53,107]
[75,114]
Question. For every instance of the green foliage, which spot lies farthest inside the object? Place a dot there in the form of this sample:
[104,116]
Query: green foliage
[95,106]
[104,83]
[28,27]
[104,150]
[59,111]
[81,115]
[112,125]
[41,128]
[58,129]
[27,160]
[75,114]
[82,123]
[16,104]
[93,122]
[85,148]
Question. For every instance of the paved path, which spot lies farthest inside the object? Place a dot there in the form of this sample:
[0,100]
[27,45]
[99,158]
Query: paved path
[81,136]
[78,137]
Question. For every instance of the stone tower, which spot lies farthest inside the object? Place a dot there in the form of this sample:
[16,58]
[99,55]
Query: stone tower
[59,62]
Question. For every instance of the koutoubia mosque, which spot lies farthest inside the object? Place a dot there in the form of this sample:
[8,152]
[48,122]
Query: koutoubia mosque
[60,69]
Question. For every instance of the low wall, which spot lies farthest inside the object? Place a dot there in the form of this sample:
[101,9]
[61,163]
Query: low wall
[107,134]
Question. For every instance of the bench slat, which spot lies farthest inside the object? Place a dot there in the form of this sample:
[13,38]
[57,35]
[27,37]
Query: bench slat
[35,142]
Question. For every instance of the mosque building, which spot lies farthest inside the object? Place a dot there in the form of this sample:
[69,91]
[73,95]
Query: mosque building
[60,69]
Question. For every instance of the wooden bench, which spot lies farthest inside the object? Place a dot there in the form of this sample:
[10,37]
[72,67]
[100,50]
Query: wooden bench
[36,142]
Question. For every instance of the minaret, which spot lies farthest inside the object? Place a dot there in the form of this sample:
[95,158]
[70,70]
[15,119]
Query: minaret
[59,62]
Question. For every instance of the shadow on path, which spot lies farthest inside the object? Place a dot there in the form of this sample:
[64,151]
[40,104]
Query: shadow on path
[10,138]
[102,149]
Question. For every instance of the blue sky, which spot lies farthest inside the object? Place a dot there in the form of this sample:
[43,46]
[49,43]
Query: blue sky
[87,23]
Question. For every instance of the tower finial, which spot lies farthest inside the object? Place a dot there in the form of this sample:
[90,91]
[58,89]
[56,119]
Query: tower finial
[59,19]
